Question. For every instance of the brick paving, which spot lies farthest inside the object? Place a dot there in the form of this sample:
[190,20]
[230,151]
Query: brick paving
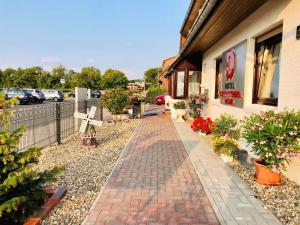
[153,183]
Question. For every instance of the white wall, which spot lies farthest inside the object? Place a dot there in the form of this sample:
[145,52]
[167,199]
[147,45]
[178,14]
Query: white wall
[268,16]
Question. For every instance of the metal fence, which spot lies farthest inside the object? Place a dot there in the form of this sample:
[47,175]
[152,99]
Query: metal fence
[50,123]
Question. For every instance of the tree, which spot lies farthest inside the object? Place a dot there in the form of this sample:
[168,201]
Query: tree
[114,78]
[21,187]
[8,77]
[57,73]
[89,77]
[151,76]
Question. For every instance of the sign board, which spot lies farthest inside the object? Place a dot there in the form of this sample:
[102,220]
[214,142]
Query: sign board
[298,33]
[62,81]
[233,75]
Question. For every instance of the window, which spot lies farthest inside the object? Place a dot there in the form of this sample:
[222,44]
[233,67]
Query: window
[180,84]
[218,81]
[194,82]
[267,67]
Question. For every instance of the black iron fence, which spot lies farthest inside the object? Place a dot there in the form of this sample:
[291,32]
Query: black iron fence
[50,123]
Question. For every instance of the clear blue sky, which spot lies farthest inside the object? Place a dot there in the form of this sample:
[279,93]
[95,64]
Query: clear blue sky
[130,35]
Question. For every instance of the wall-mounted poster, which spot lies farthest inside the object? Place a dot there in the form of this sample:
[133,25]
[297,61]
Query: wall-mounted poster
[233,75]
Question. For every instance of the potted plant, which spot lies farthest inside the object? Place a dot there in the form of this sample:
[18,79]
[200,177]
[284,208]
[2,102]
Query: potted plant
[226,147]
[180,108]
[226,125]
[136,100]
[196,104]
[115,100]
[275,139]
[203,126]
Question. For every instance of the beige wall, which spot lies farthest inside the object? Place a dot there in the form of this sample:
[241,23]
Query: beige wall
[268,16]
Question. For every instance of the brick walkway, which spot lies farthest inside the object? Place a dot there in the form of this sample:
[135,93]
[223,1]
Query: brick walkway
[153,183]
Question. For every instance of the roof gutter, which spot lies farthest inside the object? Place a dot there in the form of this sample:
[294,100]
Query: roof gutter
[187,14]
[203,15]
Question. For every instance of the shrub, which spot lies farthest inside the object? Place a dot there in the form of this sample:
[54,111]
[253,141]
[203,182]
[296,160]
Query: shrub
[196,104]
[115,100]
[226,125]
[21,187]
[179,105]
[152,92]
[225,145]
[275,137]
[204,126]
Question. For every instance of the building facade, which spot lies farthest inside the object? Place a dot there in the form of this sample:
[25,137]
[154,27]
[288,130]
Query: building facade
[246,54]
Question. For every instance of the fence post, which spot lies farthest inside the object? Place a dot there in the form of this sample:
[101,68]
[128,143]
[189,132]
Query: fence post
[58,133]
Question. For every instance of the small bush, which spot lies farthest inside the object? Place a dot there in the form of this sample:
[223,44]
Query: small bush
[275,137]
[115,100]
[226,125]
[226,146]
[196,104]
[152,92]
[179,105]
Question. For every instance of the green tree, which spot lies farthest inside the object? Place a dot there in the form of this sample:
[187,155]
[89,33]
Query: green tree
[151,76]
[89,77]
[57,73]
[1,78]
[21,187]
[8,74]
[113,79]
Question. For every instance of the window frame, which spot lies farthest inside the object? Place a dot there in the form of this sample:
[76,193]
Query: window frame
[276,38]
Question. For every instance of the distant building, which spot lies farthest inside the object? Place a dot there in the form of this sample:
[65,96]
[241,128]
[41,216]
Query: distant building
[163,81]
[138,85]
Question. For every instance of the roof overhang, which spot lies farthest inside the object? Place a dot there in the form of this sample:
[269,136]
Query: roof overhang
[216,18]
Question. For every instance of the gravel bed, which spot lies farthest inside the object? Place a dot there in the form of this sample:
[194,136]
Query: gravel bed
[283,200]
[85,170]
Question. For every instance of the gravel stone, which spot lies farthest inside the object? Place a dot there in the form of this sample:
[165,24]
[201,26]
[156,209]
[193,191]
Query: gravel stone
[85,170]
[283,200]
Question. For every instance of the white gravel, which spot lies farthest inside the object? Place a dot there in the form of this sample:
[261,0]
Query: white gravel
[85,170]
[283,200]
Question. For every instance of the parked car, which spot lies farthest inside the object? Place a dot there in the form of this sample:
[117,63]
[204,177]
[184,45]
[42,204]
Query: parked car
[71,95]
[95,94]
[160,99]
[57,96]
[37,95]
[22,96]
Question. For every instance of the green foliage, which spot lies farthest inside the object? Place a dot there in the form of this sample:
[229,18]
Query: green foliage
[21,187]
[226,125]
[114,79]
[225,145]
[151,76]
[115,100]
[152,92]
[89,77]
[274,136]
[180,105]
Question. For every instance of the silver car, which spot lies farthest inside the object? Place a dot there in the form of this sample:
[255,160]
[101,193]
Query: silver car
[57,96]
[37,95]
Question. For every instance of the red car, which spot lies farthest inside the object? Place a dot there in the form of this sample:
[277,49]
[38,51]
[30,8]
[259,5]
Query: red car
[160,99]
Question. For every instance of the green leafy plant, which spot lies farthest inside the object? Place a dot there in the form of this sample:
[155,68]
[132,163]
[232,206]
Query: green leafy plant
[115,100]
[274,136]
[196,104]
[226,125]
[225,145]
[152,92]
[180,105]
[21,187]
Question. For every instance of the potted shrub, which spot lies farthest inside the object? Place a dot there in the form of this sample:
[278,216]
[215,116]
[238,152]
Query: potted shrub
[275,139]
[226,147]
[203,126]
[115,100]
[196,103]
[226,125]
[136,100]
[180,108]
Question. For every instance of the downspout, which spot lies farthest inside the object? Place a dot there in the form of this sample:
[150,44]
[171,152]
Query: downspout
[203,14]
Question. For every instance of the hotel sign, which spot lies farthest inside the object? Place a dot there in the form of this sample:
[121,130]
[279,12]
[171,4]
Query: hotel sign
[233,75]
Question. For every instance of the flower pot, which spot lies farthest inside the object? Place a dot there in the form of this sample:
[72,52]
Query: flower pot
[202,134]
[265,176]
[180,113]
[89,140]
[226,158]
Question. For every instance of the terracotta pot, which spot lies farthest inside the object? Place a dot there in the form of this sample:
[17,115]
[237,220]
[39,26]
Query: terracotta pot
[265,176]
